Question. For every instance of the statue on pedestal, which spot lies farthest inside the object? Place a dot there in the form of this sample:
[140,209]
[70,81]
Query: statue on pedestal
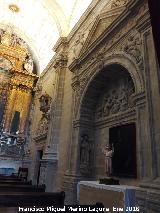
[108,151]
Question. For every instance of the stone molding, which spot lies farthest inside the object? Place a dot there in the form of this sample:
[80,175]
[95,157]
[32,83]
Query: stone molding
[127,19]
[80,83]
[103,55]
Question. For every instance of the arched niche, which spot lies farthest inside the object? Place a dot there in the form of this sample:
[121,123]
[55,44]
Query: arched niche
[111,83]
[108,102]
[119,59]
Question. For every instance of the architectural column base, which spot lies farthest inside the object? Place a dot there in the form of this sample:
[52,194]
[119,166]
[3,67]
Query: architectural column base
[150,184]
[26,162]
[70,187]
[148,196]
[48,173]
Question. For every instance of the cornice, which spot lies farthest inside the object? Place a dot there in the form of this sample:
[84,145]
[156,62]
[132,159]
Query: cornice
[49,67]
[87,50]
[60,44]
[84,17]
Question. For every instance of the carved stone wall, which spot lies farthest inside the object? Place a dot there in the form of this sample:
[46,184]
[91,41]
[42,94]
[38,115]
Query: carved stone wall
[119,42]
[91,97]
[39,121]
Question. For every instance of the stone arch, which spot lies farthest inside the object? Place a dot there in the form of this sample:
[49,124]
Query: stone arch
[119,59]
[86,122]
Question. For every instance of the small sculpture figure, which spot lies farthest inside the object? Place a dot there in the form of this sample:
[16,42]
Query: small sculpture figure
[84,150]
[14,40]
[108,152]
[28,65]
[45,102]
[107,105]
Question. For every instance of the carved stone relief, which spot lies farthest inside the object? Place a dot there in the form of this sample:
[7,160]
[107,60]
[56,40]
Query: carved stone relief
[78,44]
[117,98]
[96,28]
[78,86]
[85,154]
[118,3]
[42,126]
[45,104]
[133,47]
[118,38]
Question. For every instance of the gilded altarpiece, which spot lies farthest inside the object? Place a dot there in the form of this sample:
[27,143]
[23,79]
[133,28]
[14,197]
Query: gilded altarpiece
[17,80]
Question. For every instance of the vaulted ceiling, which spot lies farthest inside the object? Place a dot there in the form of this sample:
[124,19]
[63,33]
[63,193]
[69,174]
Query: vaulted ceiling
[41,22]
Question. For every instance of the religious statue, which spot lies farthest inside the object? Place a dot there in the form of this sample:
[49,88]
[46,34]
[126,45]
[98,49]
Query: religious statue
[28,65]
[84,149]
[85,154]
[108,151]
[45,102]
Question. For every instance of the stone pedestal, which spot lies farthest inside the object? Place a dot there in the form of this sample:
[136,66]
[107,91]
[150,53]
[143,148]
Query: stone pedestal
[70,188]
[48,173]
[148,196]
[115,198]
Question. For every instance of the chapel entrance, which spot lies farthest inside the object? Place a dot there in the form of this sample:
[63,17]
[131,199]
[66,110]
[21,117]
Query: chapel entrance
[109,101]
[123,139]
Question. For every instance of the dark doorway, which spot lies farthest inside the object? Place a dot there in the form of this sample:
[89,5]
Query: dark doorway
[39,158]
[15,122]
[123,139]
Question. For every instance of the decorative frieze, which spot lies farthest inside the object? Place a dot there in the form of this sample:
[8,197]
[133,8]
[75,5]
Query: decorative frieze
[118,3]
[89,57]
[133,47]
[116,100]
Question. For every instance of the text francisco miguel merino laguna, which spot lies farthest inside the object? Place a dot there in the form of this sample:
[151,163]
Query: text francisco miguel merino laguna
[77,209]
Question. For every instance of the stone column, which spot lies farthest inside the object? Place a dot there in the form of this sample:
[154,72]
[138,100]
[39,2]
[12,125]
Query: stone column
[144,161]
[51,149]
[148,196]
[73,174]
[152,80]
